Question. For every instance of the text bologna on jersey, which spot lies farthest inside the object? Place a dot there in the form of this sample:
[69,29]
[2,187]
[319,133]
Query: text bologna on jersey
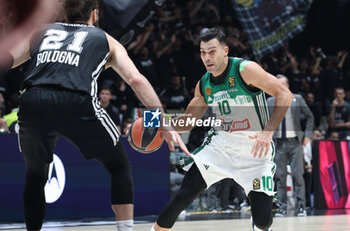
[58,56]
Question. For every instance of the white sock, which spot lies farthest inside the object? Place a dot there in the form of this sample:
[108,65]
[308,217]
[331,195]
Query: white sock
[126,225]
[152,229]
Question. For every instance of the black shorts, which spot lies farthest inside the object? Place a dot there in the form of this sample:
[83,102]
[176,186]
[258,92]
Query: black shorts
[46,112]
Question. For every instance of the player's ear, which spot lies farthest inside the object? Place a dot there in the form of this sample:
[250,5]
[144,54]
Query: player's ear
[226,48]
[94,15]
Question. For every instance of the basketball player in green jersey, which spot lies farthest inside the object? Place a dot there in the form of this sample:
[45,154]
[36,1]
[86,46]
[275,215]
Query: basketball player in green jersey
[242,147]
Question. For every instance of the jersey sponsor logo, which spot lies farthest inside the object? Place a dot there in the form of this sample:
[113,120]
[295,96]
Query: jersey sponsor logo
[221,95]
[208,91]
[151,118]
[256,184]
[56,180]
[232,81]
[232,90]
[240,125]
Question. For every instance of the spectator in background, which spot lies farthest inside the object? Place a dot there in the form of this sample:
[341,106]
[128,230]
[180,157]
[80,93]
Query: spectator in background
[290,141]
[141,40]
[333,136]
[3,125]
[339,116]
[105,97]
[315,107]
[234,40]
[126,125]
[297,78]
[182,55]
[175,96]
[123,98]
[176,172]
[2,94]
[347,93]
[316,135]
[162,48]
[11,118]
[146,64]
[332,76]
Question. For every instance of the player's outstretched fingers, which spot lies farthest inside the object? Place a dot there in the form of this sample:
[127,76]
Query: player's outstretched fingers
[263,148]
[254,148]
[183,146]
[169,139]
[169,142]
[267,146]
[260,147]
[170,145]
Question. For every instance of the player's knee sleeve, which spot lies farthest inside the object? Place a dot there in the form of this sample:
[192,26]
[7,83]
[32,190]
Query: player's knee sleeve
[261,207]
[171,211]
[122,188]
[185,197]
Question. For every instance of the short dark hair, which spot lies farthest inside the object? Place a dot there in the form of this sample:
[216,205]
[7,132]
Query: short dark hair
[339,88]
[212,33]
[105,87]
[128,121]
[280,76]
[79,10]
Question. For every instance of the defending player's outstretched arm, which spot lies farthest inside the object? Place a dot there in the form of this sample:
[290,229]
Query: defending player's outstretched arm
[256,76]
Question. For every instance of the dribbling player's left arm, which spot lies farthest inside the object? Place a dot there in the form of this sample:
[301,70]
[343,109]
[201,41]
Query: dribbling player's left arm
[123,65]
[256,76]
[195,109]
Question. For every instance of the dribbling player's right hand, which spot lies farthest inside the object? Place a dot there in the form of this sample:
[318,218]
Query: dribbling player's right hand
[170,135]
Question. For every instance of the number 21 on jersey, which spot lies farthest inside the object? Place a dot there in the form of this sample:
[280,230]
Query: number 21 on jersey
[55,38]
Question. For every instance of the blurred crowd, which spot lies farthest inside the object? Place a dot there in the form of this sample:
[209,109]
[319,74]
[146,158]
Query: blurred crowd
[167,53]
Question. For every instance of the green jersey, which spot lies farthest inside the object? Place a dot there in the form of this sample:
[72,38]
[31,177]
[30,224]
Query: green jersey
[240,107]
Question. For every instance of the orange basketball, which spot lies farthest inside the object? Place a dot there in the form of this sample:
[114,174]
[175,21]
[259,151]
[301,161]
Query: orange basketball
[144,140]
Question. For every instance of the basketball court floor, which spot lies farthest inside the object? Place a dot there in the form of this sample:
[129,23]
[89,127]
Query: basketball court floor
[337,220]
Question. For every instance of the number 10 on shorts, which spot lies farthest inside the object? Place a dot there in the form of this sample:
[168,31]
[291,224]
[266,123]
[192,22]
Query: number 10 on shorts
[267,183]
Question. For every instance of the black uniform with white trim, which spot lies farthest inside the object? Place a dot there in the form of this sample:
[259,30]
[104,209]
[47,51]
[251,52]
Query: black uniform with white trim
[71,56]
[60,98]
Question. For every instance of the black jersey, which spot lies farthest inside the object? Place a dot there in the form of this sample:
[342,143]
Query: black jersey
[68,56]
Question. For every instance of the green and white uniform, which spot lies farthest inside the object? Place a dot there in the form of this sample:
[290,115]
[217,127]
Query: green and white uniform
[226,152]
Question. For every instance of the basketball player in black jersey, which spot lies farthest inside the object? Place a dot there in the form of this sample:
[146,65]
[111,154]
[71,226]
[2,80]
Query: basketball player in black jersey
[60,98]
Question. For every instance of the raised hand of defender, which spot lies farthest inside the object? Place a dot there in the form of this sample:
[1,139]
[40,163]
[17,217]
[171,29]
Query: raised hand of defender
[262,143]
